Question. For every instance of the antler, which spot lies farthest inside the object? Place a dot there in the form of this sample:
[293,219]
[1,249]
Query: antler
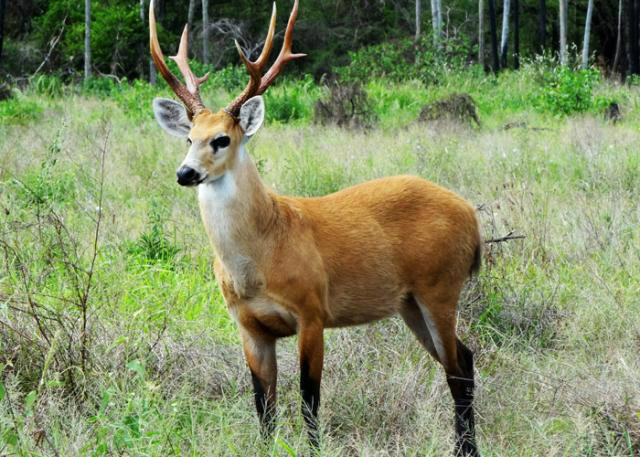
[189,94]
[257,83]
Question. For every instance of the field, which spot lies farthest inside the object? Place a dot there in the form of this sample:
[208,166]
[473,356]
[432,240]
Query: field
[114,339]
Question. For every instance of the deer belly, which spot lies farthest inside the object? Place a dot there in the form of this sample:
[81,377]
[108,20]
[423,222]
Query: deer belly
[272,316]
[354,305]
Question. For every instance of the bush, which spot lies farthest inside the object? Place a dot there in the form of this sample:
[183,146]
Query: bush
[47,85]
[403,60]
[565,91]
[18,111]
[291,100]
[46,186]
[153,246]
[347,106]
[231,78]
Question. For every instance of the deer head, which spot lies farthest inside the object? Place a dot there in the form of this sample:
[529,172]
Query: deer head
[215,138]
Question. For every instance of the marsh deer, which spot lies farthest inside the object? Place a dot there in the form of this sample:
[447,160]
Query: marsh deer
[289,265]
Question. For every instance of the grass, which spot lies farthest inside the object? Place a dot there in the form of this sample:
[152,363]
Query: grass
[554,319]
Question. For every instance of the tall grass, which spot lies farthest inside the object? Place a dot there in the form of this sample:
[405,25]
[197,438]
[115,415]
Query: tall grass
[554,318]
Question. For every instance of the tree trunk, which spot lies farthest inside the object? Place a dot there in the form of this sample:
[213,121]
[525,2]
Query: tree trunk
[418,19]
[542,25]
[516,34]
[616,58]
[87,39]
[205,31]
[481,32]
[587,33]
[494,36]
[436,21]
[191,17]
[504,41]
[563,32]
[634,58]
[2,7]
[152,67]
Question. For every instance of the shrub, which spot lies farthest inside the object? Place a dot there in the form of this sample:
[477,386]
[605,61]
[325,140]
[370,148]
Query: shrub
[404,60]
[231,78]
[291,100]
[46,186]
[47,85]
[346,106]
[18,111]
[153,246]
[565,91]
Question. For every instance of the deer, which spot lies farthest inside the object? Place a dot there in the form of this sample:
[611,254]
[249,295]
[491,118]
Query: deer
[297,266]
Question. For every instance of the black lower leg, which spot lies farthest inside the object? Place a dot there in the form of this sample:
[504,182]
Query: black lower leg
[264,406]
[310,389]
[462,392]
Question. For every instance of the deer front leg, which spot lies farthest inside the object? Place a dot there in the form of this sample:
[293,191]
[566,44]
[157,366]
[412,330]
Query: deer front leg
[311,348]
[260,352]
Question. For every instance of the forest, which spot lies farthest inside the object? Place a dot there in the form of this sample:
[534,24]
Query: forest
[115,338]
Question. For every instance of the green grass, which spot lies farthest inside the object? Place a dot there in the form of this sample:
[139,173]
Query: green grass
[553,319]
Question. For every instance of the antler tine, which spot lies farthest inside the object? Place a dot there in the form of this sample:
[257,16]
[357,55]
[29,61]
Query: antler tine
[254,68]
[285,53]
[191,99]
[182,60]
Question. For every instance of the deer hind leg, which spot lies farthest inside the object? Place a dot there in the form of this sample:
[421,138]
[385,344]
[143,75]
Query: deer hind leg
[438,309]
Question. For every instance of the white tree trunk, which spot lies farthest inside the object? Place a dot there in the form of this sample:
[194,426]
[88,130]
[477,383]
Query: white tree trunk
[563,32]
[191,16]
[418,19]
[481,32]
[436,21]
[205,31]
[587,33]
[504,40]
[87,39]
[152,67]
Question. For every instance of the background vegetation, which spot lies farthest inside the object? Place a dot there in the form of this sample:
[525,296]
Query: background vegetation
[114,339]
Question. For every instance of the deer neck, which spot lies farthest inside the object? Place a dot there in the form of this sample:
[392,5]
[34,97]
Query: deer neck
[238,211]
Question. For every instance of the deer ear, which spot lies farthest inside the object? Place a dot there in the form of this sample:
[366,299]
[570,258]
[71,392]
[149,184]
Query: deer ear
[172,117]
[252,115]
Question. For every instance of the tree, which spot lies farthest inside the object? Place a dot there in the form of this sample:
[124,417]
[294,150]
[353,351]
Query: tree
[616,58]
[634,57]
[152,67]
[436,20]
[87,39]
[587,32]
[516,34]
[481,32]
[191,14]
[418,19]
[504,41]
[494,36]
[563,31]
[542,25]
[205,31]
[2,7]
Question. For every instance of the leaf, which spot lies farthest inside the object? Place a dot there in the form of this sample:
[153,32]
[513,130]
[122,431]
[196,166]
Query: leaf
[29,400]
[136,367]
[2,391]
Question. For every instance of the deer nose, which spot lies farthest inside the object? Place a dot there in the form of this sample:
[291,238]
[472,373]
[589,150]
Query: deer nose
[187,176]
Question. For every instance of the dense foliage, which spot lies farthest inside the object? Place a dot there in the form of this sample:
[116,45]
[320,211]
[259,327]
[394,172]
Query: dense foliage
[50,34]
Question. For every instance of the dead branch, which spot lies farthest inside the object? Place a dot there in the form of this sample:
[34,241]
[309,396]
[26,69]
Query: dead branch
[508,237]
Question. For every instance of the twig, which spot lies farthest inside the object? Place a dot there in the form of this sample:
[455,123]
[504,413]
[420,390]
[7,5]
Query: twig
[508,237]
[53,45]
[85,297]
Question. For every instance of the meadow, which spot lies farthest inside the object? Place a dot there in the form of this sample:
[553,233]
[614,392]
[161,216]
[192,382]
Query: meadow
[114,339]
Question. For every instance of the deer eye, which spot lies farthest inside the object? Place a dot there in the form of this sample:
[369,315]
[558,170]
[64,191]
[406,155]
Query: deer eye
[189,142]
[220,142]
